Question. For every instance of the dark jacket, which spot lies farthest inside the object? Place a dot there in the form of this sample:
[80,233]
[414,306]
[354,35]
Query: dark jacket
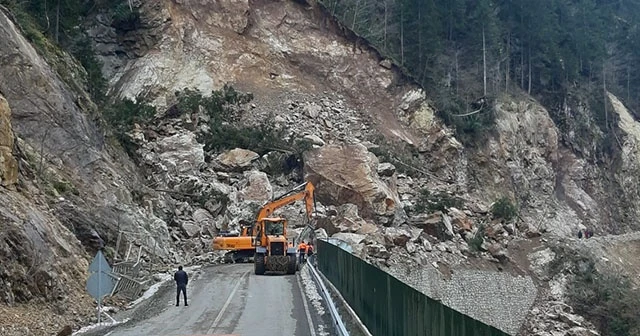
[181,278]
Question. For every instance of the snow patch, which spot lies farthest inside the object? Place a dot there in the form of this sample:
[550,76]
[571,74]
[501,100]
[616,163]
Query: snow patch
[98,326]
[313,294]
[164,277]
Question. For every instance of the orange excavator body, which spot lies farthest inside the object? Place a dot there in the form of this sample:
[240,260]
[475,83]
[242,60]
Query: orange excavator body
[274,252]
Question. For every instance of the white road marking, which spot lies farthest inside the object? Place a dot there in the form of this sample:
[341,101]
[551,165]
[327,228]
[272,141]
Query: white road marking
[306,307]
[226,305]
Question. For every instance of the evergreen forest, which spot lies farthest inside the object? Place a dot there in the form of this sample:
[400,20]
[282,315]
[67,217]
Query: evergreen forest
[463,50]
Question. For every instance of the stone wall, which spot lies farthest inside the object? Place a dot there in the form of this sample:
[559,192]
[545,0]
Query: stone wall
[494,298]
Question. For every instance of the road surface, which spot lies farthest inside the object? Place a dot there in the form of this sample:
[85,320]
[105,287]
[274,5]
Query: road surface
[232,300]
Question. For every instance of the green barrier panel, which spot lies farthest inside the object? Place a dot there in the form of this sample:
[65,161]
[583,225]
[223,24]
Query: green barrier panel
[387,306]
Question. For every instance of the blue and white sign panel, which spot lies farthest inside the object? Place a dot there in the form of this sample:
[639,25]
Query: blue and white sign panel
[100,283]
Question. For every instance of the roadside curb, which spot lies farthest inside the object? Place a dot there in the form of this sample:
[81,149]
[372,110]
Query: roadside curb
[337,320]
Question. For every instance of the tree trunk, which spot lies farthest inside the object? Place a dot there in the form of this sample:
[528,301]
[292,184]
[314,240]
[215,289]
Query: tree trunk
[386,17]
[522,67]
[401,35]
[420,35]
[484,63]
[58,22]
[529,88]
[628,84]
[508,66]
[604,93]
[46,16]
[355,16]
[457,78]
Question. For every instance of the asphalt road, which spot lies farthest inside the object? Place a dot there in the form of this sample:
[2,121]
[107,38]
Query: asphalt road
[231,300]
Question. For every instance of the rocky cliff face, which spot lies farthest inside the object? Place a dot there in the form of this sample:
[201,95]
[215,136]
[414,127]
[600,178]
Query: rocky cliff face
[8,163]
[67,190]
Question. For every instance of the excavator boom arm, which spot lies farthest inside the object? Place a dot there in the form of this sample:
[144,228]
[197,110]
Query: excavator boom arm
[306,194]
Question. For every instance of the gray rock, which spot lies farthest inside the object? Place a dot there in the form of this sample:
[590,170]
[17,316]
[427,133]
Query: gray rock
[498,252]
[352,238]
[460,220]
[411,247]
[321,233]
[532,231]
[571,319]
[312,110]
[510,228]
[237,159]
[190,229]
[314,139]
[347,173]
[396,236]
[378,251]
[386,63]
[202,217]
[427,245]
[256,187]
[580,331]
[386,169]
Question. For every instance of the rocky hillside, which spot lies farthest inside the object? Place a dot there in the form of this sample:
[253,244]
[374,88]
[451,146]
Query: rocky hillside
[391,179]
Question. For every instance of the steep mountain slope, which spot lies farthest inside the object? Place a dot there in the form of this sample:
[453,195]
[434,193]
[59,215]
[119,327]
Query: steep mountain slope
[68,189]
[270,48]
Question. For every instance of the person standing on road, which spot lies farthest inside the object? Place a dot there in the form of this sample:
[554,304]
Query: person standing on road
[182,279]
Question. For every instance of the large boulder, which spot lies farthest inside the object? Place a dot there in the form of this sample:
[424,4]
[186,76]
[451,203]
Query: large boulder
[460,220]
[181,152]
[190,229]
[347,173]
[396,236]
[347,219]
[203,218]
[237,159]
[256,187]
[435,224]
[8,164]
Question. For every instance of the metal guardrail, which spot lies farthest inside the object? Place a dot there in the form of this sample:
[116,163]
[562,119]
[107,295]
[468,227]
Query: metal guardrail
[326,295]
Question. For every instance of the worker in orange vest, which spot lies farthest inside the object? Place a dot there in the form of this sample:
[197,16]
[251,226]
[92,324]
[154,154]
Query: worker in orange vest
[302,249]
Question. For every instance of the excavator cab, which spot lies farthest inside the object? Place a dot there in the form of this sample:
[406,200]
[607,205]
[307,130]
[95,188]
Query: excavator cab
[273,251]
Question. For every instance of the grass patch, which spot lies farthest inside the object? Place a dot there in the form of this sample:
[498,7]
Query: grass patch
[64,187]
[475,243]
[504,209]
[431,202]
[121,117]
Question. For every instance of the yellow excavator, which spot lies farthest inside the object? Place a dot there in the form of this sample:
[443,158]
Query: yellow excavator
[242,246]
[274,253]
